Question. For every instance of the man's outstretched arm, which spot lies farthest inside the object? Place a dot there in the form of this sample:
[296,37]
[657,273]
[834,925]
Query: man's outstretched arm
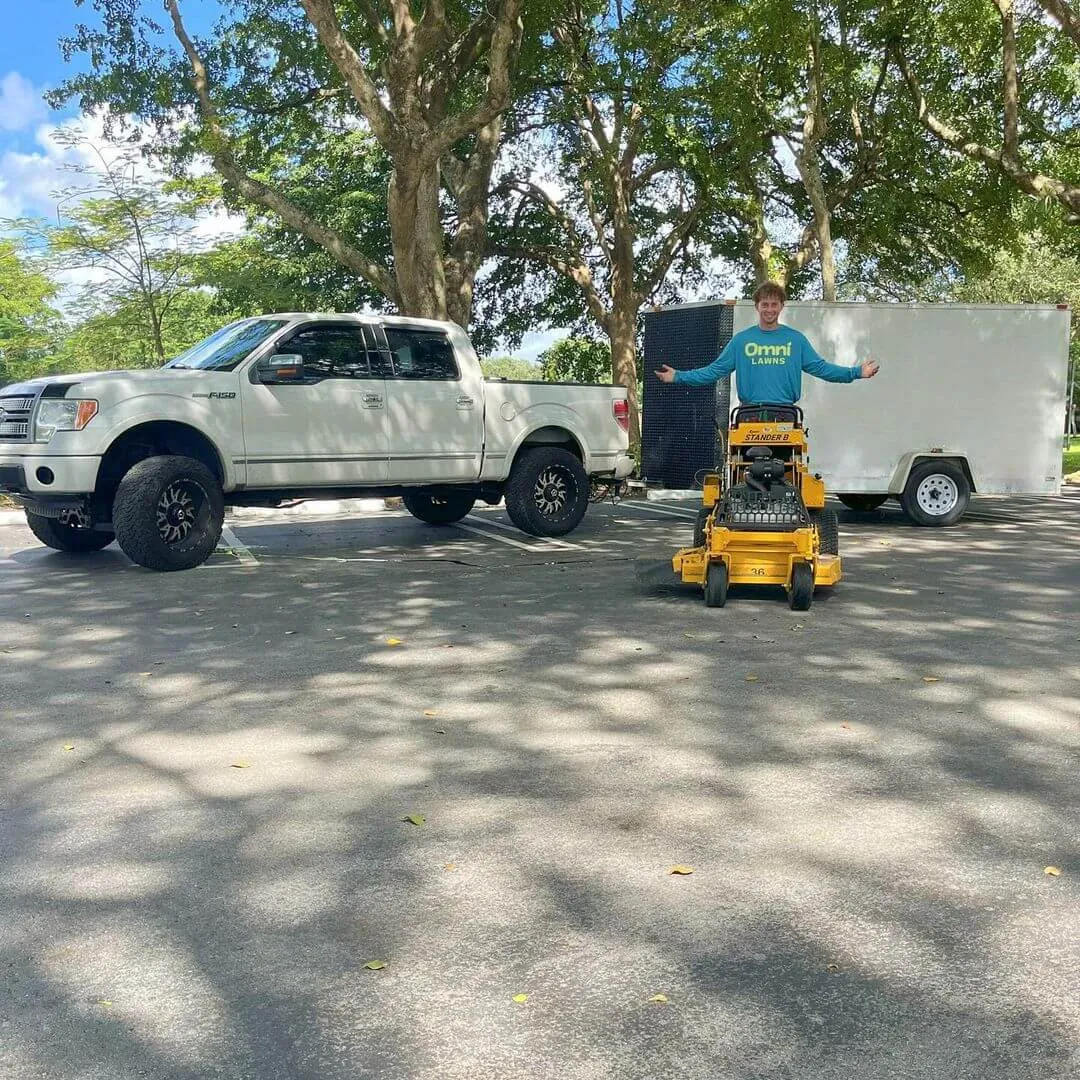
[723,365]
[820,368]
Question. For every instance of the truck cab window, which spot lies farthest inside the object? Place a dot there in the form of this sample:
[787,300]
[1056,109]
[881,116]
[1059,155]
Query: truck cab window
[329,352]
[421,354]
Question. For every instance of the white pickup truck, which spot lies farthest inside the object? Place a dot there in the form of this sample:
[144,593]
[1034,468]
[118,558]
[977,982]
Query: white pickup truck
[295,406]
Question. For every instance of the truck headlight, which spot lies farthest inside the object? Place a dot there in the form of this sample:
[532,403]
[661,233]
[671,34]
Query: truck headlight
[62,414]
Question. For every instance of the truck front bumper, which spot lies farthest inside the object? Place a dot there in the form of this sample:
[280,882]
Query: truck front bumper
[47,476]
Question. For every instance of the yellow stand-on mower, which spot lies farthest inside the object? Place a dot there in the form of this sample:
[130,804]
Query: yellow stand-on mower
[764,520]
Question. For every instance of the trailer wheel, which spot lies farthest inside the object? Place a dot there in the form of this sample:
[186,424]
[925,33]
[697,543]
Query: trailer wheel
[438,508]
[801,592]
[863,503]
[937,494]
[828,531]
[716,584]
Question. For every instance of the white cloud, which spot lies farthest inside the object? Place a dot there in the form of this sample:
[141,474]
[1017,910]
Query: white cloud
[21,105]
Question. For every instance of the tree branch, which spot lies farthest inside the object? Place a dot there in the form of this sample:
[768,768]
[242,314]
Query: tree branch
[323,16]
[677,239]
[1064,14]
[1031,183]
[1010,82]
[226,164]
[575,271]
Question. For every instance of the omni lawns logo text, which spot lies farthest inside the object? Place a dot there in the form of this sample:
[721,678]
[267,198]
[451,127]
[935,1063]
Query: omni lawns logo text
[767,354]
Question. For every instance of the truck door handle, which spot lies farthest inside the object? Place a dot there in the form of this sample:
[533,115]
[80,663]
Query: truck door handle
[372,401]
[465,402]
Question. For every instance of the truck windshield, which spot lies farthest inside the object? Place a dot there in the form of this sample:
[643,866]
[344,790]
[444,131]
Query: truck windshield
[225,348]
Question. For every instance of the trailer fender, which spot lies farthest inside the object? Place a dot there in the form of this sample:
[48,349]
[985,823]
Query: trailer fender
[914,457]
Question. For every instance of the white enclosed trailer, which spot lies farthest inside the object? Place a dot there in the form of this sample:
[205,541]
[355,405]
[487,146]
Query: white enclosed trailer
[970,397]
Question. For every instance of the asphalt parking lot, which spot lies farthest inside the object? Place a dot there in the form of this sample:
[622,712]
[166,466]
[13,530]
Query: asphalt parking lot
[206,778]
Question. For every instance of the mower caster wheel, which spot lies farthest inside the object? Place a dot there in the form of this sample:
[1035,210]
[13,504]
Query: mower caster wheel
[801,592]
[716,583]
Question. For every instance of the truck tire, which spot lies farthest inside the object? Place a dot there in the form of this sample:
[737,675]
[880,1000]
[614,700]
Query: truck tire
[168,513]
[63,536]
[437,508]
[547,493]
[828,531]
[863,503]
[936,494]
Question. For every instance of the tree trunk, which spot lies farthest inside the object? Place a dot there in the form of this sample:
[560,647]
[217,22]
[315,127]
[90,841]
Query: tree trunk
[621,330]
[416,235]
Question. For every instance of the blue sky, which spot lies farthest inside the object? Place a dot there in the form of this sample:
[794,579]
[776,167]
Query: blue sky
[31,61]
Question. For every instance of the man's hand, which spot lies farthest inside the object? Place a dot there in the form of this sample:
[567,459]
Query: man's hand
[665,374]
[869,369]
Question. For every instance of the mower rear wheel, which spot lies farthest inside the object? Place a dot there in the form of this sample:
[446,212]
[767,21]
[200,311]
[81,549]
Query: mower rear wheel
[716,584]
[801,592]
[828,531]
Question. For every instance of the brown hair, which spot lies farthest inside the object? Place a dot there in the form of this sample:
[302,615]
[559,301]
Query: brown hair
[770,288]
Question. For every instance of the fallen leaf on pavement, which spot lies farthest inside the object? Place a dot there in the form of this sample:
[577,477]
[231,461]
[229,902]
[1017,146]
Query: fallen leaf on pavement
[751,678]
[659,998]
[393,641]
[832,969]
[521,998]
[430,712]
[240,765]
[69,746]
[681,870]
[440,731]
[375,965]
[105,1002]
[1053,871]
[414,819]
[450,866]
[930,678]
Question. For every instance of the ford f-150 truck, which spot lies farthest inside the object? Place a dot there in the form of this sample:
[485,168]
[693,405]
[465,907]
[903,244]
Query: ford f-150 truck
[294,406]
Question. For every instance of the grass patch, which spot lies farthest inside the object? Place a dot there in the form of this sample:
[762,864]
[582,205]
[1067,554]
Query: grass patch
[1070,460]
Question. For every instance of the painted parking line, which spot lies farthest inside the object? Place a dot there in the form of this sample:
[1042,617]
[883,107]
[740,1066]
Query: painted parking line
[242,553]
[500,539]
[550,541]
[684,515]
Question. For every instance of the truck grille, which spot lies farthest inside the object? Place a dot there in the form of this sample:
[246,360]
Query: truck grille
[15,418]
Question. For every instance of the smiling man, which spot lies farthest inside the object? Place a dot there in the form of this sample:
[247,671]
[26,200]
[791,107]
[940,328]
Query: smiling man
[768,359]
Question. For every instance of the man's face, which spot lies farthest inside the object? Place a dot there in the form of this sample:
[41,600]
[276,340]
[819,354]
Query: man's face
[768,309]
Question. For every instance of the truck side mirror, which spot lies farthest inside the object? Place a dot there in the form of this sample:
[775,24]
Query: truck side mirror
[280,368]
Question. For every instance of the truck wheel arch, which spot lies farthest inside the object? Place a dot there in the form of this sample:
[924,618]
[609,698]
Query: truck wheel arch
[550,435]
[154,438]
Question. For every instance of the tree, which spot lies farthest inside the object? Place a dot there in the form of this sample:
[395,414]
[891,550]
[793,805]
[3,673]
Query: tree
[123,235]
[510,367]
[1006,95]
[618,208]
[431,88]
[27,319]
[822,167]
[576,360]
[114,337]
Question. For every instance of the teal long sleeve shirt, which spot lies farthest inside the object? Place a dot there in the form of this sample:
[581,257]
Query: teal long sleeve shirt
[768,366]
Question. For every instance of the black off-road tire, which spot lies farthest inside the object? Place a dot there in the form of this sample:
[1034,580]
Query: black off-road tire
[168,513]
[936,494]
[63,537]
[437,508]
[863,503]
[548,491]
[828,530]
[801,593]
